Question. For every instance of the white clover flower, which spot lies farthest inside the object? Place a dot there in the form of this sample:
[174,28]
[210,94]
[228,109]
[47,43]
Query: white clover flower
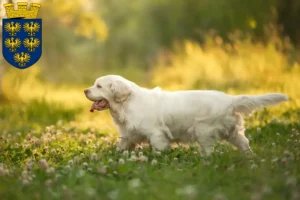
[3,170]
[231,168]
[274,160]
[258,130]
[273,144]
[113,194]
[277,134]
[68,167]
[291,181]
[25,182]
[29,164]
[53,151]
[82,155]
[80,173]
[94,156]
[90,191]
[50,170]
[158,153]
[17,145]
[134,183]
[132,158]
[143,159]
[188,190]
[125,153]
[85,165]
[110,161]
[121,161]
[43,164]
[76,159]
[175,159]
[154,162]
[132,153]
[71,162]
[48,129]
[140,154]
[88,141]
[253,166]
[103,170]
[59,122]
[24,174]
[266,189]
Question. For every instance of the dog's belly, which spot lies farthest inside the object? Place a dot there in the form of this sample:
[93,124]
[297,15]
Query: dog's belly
[180,128]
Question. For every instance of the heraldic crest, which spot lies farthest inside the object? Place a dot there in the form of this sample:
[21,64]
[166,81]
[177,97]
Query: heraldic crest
[22,35]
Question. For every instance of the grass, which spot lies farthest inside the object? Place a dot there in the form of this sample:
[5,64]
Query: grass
[47,155]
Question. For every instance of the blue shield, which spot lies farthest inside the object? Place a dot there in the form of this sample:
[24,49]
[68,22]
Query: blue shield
[22,41]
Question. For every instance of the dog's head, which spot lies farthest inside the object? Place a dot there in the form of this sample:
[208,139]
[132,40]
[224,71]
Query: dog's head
[107,90]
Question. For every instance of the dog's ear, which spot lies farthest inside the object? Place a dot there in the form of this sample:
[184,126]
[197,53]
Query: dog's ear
[120,90]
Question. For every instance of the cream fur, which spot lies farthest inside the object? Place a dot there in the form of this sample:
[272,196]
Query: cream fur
[162,117]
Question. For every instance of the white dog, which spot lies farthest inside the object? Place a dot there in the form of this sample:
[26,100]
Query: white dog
[188,116]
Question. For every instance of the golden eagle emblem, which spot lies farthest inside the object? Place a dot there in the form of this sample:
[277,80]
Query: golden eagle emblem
[22,58]
[31,28]
[12,43]
[12,28]
[31,43]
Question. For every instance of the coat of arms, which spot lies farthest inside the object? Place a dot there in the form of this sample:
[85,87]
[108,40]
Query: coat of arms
[22,35]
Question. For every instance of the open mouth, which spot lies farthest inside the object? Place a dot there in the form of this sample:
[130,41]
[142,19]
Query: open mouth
[100,105]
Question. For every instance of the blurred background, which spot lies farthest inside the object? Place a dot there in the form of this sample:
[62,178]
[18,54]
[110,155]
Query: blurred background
[234,46]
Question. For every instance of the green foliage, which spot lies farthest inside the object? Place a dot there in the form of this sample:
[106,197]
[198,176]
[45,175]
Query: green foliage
[133,33]
[22,117]
[82,166]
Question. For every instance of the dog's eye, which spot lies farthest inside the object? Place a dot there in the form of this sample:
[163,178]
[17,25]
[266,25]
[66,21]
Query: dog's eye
[99,86]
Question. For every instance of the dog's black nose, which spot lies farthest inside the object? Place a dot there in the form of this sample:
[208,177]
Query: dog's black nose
[86,91]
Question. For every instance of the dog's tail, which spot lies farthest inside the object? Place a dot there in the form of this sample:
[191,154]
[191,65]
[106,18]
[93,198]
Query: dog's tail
[246,104]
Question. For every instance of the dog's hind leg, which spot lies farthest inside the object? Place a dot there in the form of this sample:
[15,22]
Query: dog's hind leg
[241,142]
[237,136]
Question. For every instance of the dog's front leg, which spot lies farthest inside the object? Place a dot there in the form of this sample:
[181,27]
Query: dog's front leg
[126,141]
[124,144]
[159,140]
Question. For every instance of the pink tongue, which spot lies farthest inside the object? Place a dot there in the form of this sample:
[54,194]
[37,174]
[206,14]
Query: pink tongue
[98,105]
